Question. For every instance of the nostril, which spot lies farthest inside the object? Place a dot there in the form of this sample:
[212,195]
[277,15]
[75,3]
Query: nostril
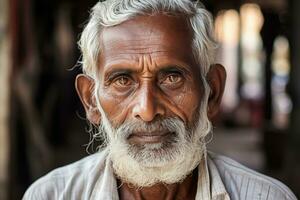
[144,113]
[137,117]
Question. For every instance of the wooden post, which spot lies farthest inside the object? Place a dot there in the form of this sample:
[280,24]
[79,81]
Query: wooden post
[4,96]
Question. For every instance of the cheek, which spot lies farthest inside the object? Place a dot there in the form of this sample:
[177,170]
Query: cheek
[114,107]
[188,102]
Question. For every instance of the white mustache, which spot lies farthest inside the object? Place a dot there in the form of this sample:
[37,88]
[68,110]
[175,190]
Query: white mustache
[159,125]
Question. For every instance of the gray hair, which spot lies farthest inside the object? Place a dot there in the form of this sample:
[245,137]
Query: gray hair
[113,12]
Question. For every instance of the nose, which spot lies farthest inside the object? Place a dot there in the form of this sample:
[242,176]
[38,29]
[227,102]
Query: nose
[147,105]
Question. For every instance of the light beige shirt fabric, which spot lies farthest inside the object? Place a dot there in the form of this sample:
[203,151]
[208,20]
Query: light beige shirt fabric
[220,178]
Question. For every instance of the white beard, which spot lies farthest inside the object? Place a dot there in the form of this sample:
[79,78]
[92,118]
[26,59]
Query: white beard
[161,169]
[146,165]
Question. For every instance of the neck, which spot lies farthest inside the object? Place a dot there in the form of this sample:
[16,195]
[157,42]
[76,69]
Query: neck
[184,190]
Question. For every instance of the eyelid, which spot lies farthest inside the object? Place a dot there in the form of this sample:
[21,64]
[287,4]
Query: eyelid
[175,69]
[115,75]
[166,76]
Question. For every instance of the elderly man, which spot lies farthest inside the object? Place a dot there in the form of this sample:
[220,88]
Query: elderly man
[151,88]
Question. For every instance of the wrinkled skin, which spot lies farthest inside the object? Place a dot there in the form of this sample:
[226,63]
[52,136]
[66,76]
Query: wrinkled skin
[147,71]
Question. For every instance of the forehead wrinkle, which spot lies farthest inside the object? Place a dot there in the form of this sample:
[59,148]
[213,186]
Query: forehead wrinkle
[158,59]
[147,47]
[139,45]
[137,33]
[137,38]
[147,64]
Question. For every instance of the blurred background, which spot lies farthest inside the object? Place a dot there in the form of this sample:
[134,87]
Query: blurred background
[42,123]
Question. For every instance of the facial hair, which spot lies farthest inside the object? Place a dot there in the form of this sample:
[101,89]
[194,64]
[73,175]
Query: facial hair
[167,162]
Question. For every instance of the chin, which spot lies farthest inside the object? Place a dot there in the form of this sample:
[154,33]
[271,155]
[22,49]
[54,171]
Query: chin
[155,165]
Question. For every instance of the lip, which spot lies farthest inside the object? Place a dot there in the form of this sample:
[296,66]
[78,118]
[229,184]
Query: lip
[148,138]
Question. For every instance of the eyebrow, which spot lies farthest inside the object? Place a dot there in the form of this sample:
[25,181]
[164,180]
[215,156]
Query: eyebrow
[173,68]
[115,71]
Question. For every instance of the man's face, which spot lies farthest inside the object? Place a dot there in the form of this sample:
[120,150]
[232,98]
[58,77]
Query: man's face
[150,94]
[152,99]
[148,72]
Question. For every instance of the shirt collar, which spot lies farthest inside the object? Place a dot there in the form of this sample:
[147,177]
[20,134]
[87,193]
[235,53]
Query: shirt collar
[106,185]
[210,185]
[218,189]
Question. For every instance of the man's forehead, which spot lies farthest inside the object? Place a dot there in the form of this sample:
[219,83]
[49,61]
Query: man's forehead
[148,35]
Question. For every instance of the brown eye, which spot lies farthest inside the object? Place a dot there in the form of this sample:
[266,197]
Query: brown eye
[123,81]
[173,79]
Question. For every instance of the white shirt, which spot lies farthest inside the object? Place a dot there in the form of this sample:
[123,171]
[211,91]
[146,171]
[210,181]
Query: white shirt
[220,178]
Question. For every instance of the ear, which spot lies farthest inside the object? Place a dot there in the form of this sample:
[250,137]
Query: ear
[84,86]
[216,78]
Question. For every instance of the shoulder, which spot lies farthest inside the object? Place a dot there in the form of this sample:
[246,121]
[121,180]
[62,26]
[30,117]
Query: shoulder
[73,180]
[244,183]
